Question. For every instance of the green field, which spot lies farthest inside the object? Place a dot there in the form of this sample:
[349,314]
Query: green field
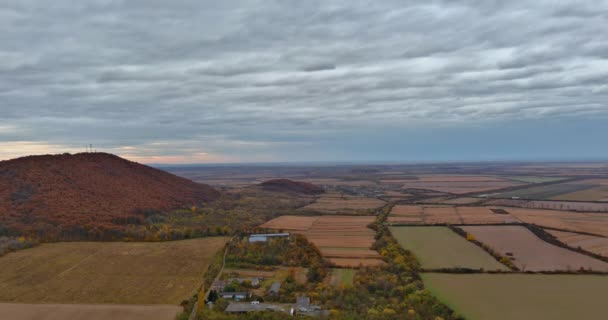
[440,247]
[533,179]
[342,277]
[543,192]
[521,296]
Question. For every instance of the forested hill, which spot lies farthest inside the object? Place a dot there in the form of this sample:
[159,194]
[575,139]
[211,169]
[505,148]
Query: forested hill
[88,191]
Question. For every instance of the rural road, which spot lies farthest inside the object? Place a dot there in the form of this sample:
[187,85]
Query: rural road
[193,313]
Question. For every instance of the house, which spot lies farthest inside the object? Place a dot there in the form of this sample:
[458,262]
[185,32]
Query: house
[303,303]
[253,280]
[275,287]
[234,295]
[263,237]
[218,285]
[244,307]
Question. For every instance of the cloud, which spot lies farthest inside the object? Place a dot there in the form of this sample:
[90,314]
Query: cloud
[236,80]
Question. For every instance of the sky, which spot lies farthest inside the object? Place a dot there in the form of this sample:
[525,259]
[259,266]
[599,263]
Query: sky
[197,81]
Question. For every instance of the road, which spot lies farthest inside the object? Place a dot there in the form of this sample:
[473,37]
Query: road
[193,314]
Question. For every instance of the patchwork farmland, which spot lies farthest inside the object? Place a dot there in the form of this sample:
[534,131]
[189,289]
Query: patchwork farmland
[597,245]
[433,214]
[521,296]
[579,190]
[440,247]
[344,240]
[530,253]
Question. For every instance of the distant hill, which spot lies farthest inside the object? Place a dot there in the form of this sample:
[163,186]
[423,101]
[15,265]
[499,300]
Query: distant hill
[286,185]
[88,191]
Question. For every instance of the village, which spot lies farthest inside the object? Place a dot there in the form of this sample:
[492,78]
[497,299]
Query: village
[263,288]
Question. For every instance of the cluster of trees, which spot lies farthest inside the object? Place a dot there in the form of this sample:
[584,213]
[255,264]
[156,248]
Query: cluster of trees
[11,244]
[293,251]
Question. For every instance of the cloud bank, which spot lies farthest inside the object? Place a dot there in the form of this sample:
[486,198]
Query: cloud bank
[230,81]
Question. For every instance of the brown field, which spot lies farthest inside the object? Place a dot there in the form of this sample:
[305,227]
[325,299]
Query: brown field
[335,202]
[342,239]
[555,205]
[458,184]
[449,178]
[599,193]
[19,311]
[453,201]
[429,214]
[530,253]
[110,272]
[294,223]
[338,182]
[596,223]
[355,263]
[597,245]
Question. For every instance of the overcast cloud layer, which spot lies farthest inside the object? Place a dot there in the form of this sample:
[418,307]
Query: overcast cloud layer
[231,81]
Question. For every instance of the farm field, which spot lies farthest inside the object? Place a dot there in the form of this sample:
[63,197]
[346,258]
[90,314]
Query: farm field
[555,205]
[595,223]
[440,247]
[533,179]
[344,240]
[521,296]
[598,193]
[107,272]
[597,245]
[439,214]
[19,311]
[340,203]
[459,184]
[342,277]
[543,192]
[531,253]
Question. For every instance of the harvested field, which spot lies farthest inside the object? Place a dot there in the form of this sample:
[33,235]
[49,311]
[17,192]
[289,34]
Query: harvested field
[555,205]
[530,253]
[543,192]
[293,223]
[453,201]
[342,239]
[342,277]
[459,184]
[597,245]
[533,179]
[598,193]
[337,182]
[595,223]
[429,214]
[440,247]
[355,263]
[19,311]
[521,296]
[344,252]
[340,203]
[110,272]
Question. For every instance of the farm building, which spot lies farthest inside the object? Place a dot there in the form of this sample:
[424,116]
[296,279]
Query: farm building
[218,285]
[253,280]
[235,295]
[264,237]
[275,287]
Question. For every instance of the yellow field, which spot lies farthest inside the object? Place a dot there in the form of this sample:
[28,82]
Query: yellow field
[107,272]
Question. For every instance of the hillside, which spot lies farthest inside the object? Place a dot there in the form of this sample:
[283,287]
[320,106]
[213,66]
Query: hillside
[88,191]
[286,185]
